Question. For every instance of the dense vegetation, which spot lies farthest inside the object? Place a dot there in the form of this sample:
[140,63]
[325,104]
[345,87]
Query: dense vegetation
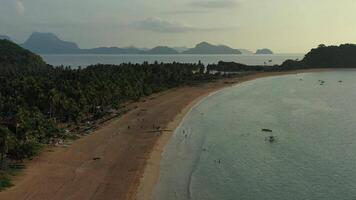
[35,97]
[237,67]
[14,58]
[343,56]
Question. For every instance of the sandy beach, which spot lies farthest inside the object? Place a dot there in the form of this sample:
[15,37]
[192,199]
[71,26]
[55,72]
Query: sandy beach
[120,160]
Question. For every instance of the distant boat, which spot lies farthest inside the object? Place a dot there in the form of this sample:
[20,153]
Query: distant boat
[267,130]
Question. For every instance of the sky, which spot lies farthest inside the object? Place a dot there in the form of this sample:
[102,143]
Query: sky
[285,26]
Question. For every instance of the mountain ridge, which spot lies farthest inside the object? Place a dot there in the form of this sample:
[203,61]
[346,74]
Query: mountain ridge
[49,43]
[162,50]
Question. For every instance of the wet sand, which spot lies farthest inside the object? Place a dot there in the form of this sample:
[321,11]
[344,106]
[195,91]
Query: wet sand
[120,160]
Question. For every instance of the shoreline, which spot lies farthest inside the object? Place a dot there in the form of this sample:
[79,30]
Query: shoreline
[151,172]
[125,150]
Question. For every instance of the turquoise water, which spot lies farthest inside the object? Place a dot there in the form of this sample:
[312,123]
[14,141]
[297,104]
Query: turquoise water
[219,151]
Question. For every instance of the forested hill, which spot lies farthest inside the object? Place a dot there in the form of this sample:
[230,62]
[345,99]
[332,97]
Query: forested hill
[332,56]
[14,58]
[343,56]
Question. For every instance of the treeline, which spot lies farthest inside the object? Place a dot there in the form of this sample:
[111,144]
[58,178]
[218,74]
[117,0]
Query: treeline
[343,56]
[33,100]
[238,67]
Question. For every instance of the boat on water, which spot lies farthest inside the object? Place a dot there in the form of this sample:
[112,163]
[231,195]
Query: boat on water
[266,130]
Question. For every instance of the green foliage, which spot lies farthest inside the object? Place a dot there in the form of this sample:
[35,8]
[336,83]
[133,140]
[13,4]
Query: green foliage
[343,56]
[6,175]
[235,67]
[5,182]
[35,97]
[14,59]
[332,56]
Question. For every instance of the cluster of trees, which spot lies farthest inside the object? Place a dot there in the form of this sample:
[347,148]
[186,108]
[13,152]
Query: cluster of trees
[343,56]
[237,67]
[35,97]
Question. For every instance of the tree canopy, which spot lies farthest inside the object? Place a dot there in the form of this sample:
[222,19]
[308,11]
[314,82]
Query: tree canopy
[343,56]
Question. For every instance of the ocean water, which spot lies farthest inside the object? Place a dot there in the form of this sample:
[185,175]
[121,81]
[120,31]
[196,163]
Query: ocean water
[85,60]
[219,151]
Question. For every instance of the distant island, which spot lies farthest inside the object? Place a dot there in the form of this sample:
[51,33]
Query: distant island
[264,51]
[49,43]
[110,50]
[206,48]
[162,50]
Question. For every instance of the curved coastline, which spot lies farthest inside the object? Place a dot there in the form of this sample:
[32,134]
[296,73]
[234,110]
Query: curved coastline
[151,172]
[129,167]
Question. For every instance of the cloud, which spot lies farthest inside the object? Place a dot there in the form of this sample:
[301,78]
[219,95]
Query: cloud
[159,25]
[12,7]
[215,3]
[156,24]
[20,8]
[206,6]
[183,12]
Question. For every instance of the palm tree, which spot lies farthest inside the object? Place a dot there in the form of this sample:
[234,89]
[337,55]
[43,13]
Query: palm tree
[55,99]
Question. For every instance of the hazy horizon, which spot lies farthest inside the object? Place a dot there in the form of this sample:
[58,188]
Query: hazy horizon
[283,26]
